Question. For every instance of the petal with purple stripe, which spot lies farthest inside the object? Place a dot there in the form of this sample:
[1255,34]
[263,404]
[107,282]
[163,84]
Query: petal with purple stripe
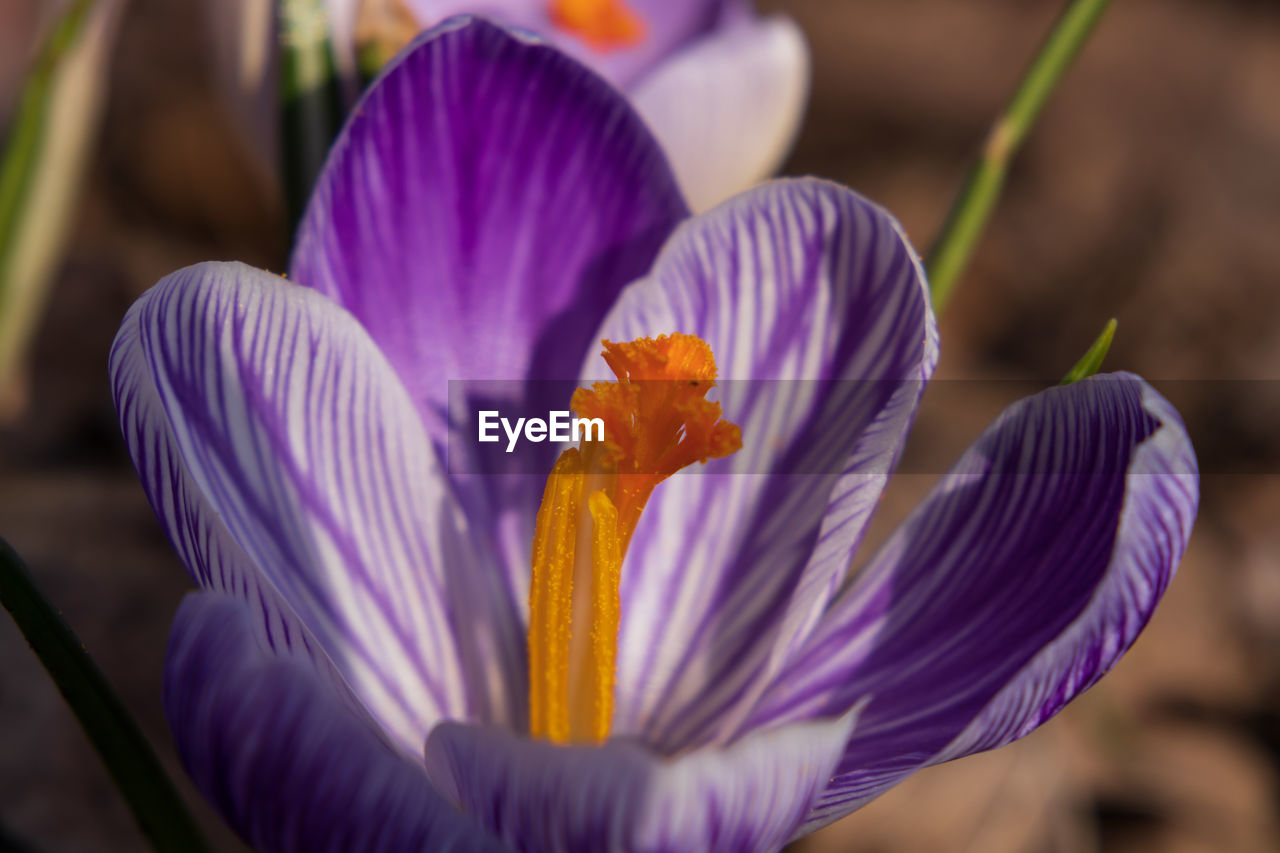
[479,214]
[816,309]
[727,107]
[482,209]
[1019,582]
[265,425]
[289,761]
[622,798]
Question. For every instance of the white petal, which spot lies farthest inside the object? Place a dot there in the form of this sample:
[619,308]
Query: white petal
[727,108]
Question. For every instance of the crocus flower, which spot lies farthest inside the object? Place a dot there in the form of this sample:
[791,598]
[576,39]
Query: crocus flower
[722,88]
[360,668]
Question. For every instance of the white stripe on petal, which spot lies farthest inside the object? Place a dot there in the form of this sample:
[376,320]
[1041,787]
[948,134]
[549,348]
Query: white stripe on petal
[1019,582]
[262,412]
[817,312]
[478,215]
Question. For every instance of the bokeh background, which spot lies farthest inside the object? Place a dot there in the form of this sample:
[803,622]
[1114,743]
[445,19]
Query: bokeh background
[1150,191]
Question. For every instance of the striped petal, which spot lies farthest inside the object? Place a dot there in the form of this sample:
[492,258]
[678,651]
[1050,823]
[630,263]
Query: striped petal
[482,209]
[479,214]
[1018,583]
[817,312]
[285,755]
[727,107]
[620,797]
[262,412]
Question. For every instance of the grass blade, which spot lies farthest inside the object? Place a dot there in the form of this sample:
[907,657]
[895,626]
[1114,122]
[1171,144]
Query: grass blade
[310,99]
[981,189]
[41,172]
[133,765]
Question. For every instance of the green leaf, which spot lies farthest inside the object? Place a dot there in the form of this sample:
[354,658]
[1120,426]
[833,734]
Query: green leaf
[40,174]
[982,186]
[310,98]
[133,765]
[1091,362]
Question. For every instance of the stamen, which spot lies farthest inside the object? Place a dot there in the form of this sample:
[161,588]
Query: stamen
[606,610]
[551,599]
[603,24]
[657,421]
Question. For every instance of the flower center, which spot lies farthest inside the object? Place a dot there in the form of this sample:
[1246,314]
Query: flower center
[603,24]
[657,420]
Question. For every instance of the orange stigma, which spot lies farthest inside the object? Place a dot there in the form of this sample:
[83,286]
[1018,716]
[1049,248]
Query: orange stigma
[657,420]
[605,25]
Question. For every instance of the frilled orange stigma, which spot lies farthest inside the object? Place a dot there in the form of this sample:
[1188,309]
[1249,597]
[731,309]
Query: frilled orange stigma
[605,25]
[657,420]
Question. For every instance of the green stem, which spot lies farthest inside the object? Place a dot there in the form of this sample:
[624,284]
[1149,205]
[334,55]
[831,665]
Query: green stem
[17,169]
[128,757]
[310,99]
[981,189]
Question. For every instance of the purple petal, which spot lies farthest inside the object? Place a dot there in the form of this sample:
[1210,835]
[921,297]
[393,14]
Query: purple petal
[748,796]
[482,209]
[279,450]
[727,107]
[288,759]
[479,214]
[1018,583]
[722,90]
[813,294]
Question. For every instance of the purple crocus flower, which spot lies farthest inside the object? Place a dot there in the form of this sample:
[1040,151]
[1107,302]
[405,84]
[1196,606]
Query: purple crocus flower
[352,672]
[722,88]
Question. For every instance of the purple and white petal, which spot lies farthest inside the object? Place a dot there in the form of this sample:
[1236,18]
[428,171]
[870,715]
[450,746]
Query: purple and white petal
[279,450]
[197,532]
[1019,582]
[290,762]
[621,797]
[728,106]
[479,214]
[482,209]
[817,311]
[669,25]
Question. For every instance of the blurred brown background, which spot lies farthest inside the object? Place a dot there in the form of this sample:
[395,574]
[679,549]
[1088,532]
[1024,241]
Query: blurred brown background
[1150,191]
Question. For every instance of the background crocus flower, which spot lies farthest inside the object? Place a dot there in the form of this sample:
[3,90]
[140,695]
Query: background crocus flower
[723,89]
[352,673]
